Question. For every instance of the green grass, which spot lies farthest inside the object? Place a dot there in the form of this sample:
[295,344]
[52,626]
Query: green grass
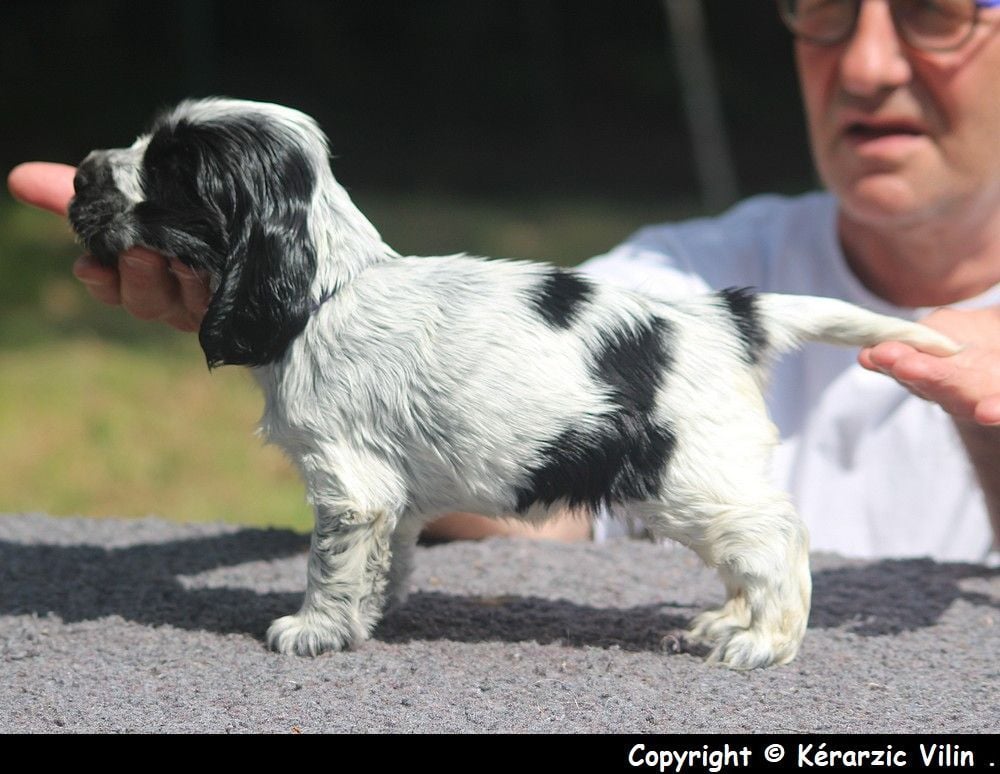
[99,428]
[103,415]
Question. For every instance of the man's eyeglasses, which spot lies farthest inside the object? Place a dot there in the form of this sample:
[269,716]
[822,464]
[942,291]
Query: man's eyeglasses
[929,25]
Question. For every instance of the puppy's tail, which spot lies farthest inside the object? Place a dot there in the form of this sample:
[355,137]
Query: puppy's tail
[787,320]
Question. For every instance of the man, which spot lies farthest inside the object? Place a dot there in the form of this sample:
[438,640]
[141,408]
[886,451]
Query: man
[903,119]
[905,142]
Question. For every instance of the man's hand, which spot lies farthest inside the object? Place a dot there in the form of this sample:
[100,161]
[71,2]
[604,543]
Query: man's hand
[149,286]
[966,385]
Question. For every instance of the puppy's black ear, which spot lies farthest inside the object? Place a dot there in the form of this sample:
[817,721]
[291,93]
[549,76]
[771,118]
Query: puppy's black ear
[262,301]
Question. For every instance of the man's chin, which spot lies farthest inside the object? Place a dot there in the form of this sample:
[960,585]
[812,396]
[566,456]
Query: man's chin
[885,198]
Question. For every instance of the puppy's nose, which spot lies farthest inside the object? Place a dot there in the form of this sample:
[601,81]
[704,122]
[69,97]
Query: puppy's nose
[92,171]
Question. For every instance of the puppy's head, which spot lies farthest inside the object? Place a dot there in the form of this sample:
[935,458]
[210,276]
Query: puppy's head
[225,186]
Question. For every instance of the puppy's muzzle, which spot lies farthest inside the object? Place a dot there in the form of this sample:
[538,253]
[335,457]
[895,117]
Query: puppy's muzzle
[97,208]
[93,174]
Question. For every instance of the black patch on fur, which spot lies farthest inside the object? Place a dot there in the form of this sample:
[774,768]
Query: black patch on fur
[742,306]
[624,456]
[561,294]
[232,195]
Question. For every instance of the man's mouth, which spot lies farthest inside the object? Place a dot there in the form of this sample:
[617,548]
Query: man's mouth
[882,140]
[863,130]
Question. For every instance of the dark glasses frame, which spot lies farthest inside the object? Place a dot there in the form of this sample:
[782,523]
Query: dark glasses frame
[785,10]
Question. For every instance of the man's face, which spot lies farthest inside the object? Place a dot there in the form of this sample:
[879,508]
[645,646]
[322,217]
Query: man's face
[899,134]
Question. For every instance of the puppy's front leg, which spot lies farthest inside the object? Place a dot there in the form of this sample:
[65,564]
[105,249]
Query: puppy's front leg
[346,584]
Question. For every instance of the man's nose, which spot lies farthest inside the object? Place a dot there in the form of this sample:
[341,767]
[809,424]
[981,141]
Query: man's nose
[874,59]
[94,170]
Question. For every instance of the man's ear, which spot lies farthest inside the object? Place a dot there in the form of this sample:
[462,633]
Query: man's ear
[262,301]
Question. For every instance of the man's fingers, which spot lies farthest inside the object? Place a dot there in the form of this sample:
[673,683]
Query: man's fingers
[988,411]
[145,283]
[148,290]
[906,364]
[963,386]
[149,286]
[883,357]
[101,281]
[43,184]
[194,294]
[925,370]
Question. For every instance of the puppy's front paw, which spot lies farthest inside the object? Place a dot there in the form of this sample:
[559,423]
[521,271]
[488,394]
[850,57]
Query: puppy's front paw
[306,634]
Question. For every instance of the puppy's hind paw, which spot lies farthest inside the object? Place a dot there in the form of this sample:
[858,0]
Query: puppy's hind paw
[306,634]
[752,649]
[714,625]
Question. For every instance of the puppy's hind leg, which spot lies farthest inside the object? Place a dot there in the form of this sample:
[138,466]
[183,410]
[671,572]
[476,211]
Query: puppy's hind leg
[761,552]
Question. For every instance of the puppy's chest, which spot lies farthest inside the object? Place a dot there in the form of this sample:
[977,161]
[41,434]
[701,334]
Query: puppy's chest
[312,401]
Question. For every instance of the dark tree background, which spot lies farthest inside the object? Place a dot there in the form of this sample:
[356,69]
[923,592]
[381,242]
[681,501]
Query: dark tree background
[465,96]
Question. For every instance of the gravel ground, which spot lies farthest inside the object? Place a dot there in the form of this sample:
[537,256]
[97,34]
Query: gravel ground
[149,626]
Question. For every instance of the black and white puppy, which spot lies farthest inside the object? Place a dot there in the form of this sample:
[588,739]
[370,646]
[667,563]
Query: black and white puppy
[407,387]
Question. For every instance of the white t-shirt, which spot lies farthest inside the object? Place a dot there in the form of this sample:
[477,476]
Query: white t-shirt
[873,470]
